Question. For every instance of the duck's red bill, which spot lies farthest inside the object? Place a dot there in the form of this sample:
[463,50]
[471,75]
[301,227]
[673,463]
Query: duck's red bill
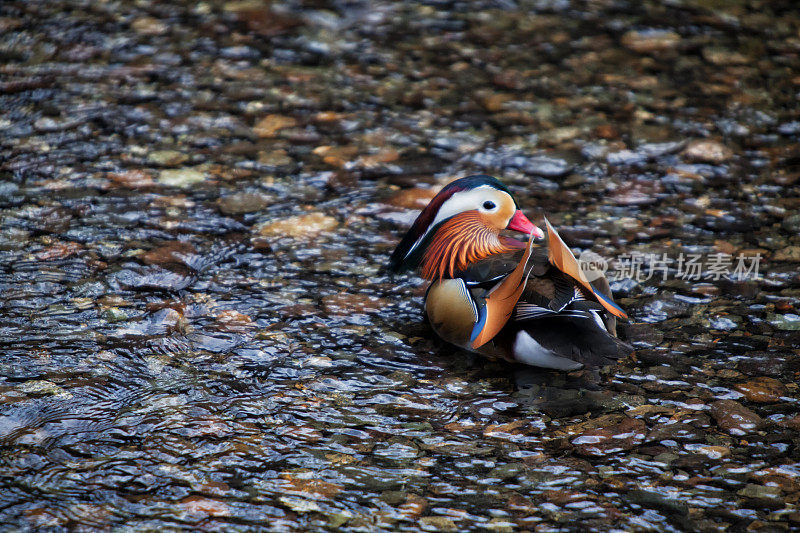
[519,222]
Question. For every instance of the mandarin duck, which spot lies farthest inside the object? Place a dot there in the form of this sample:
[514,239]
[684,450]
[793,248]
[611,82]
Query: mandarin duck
[499,296]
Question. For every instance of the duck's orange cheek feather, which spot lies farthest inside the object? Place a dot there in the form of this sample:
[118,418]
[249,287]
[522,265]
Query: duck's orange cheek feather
[496,221]
[462,240]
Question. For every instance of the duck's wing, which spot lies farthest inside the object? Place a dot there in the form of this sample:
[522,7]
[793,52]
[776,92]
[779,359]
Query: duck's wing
[565,340]
[558,324]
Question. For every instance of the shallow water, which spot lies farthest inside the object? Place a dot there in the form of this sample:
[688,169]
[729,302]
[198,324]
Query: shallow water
[197,201]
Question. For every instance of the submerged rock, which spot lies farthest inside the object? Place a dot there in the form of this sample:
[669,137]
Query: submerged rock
[762,389]
[270,125]
[650,40]
[298,227]
[707,151]
[182,177]
[733,417]
[242,202]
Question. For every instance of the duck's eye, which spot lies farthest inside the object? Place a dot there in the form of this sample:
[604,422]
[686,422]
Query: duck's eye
[488,205]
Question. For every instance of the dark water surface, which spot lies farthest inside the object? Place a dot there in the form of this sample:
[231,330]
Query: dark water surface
[197,199]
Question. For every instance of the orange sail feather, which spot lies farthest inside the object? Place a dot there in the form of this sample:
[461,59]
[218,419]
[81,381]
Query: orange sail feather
[561,257]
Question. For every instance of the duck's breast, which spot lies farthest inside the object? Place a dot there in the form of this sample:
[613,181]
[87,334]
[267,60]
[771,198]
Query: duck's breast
[451,311]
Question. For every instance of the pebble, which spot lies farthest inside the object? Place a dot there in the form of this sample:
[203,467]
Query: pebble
[650,40]
[548,167]
[173,252]
[762,390]
[131,179]
[60,250]
[501,525]
[714,452]
[40,387]
[790,253]
[336,156]
[115,314]
[149,26]
[792,224]
[206,506]
[624,435]
[232,320]
[707,151]
[717,55]
[760,492]
[242,202]
[345,303]
[167,158]
[274,158]
[734,418]
[415,198]
[787,322]
[270,125]
[437,523]
[298,227]
[181,177]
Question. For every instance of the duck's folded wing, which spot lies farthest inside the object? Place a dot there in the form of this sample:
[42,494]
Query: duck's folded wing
[547,338]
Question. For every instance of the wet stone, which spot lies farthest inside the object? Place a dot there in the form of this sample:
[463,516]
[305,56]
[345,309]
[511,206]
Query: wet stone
[41,388]
[791,224]
[167,158]
[437,523]
[243,202]
[762,390]
[707,151]
[132,179]
[787,322]
[115,314]
[153,278]
[298,227]
[416,198]
[760,492]
[655,499]
[735,418]
[650,40]
[149,26]
[347,303]
[181,178]
[175,252]
[270,125]
[625,435]
[548,167]
[718,55]
[790,253]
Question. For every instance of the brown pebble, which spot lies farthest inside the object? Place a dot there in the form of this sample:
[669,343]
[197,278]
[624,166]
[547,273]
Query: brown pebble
[416,198]
[346,303]
[131,179]
[648,41]
[735,418]
[271,124]
[762,390]
[171,252]
[302,226]
[242,202]
[707,151]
